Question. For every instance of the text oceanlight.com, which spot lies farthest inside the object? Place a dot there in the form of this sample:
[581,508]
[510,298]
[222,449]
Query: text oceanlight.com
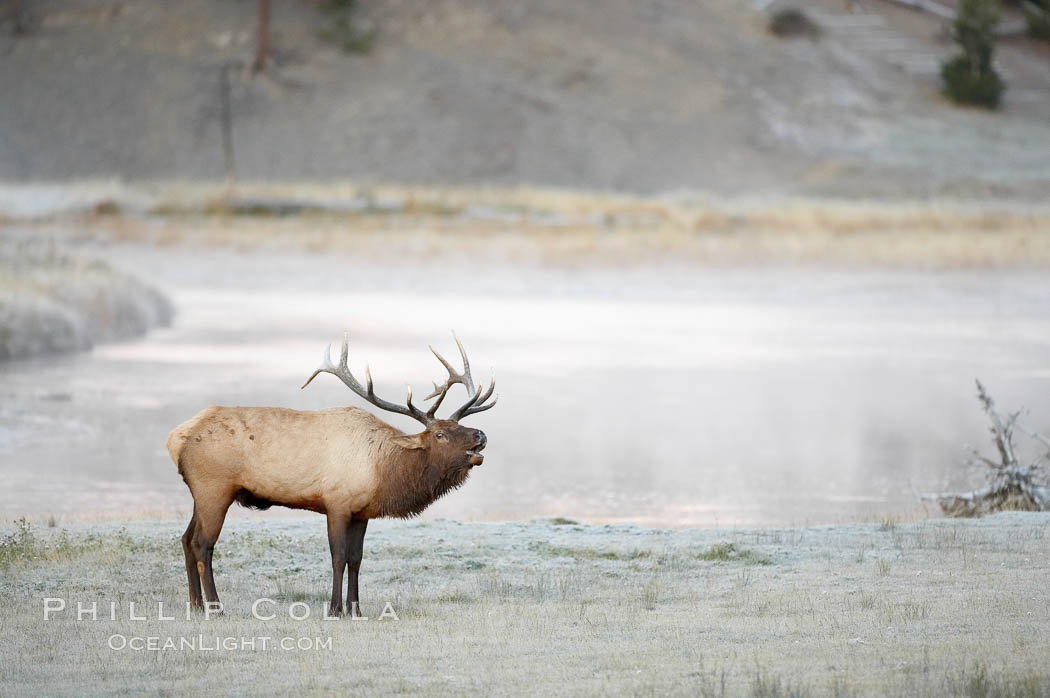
[215,643]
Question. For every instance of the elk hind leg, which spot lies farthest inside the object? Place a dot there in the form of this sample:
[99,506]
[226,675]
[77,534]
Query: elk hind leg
[211,513]
[192,576]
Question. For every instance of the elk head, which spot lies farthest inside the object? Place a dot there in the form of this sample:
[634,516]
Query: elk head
[445,440]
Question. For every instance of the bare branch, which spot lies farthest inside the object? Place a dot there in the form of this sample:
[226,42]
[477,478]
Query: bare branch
[1000,432]
[1034,435]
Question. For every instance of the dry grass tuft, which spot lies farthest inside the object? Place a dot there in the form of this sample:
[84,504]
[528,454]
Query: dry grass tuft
[728,552]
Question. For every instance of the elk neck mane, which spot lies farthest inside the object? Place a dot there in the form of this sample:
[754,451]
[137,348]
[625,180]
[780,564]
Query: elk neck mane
[409,482]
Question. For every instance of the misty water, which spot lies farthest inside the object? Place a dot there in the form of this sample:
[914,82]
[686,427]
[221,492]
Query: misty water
[655,393]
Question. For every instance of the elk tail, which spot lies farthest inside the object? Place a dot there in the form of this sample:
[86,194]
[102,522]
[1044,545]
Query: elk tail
[176,441]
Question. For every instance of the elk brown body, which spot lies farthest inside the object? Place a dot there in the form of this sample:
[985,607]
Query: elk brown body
[344,463]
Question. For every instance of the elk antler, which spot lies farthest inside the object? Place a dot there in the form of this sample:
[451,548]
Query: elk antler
[476,401]
[474,404]
[342,372]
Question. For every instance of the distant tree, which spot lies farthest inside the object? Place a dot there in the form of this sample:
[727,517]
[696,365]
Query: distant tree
[1037,13]
[970,77]
[344,31]
[19,18]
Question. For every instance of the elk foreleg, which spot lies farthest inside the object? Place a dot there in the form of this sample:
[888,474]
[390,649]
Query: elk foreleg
[355,543]
[337,536]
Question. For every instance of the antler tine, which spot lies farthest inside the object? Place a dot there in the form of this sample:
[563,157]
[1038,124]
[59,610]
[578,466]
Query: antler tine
[446,364]
[343,373]
[465,379]
[473,400]
[466,364]
[325,367]
[478,402]
[344,352]
[449,382]
[441,393]
[480,407]
[492,386]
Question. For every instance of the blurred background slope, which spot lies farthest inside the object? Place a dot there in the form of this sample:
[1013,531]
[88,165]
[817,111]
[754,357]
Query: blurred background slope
[622,95]
[704,334]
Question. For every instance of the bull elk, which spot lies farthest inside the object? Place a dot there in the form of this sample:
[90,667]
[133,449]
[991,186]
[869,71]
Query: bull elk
[343,462]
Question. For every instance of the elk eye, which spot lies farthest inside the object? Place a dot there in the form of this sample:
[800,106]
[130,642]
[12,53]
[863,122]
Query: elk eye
[440,435]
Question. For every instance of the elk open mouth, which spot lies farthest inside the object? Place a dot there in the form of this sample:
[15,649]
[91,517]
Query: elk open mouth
[475,456]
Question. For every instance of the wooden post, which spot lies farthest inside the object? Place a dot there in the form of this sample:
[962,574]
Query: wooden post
[226,122]
[262,48]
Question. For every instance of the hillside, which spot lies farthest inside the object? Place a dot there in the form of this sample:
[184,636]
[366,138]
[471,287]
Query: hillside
[620,95]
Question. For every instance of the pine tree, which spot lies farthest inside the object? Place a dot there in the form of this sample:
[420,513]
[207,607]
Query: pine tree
[970,77]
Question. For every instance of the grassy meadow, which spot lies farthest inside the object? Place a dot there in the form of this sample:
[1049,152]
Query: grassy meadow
[933,607]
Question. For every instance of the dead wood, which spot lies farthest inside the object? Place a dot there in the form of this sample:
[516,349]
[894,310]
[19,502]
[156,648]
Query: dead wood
[1012,485]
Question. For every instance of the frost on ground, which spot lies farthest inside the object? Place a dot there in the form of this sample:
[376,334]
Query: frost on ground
[53,302]
[943,607]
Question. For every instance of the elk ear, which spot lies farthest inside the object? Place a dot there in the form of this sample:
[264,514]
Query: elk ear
[408,441]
